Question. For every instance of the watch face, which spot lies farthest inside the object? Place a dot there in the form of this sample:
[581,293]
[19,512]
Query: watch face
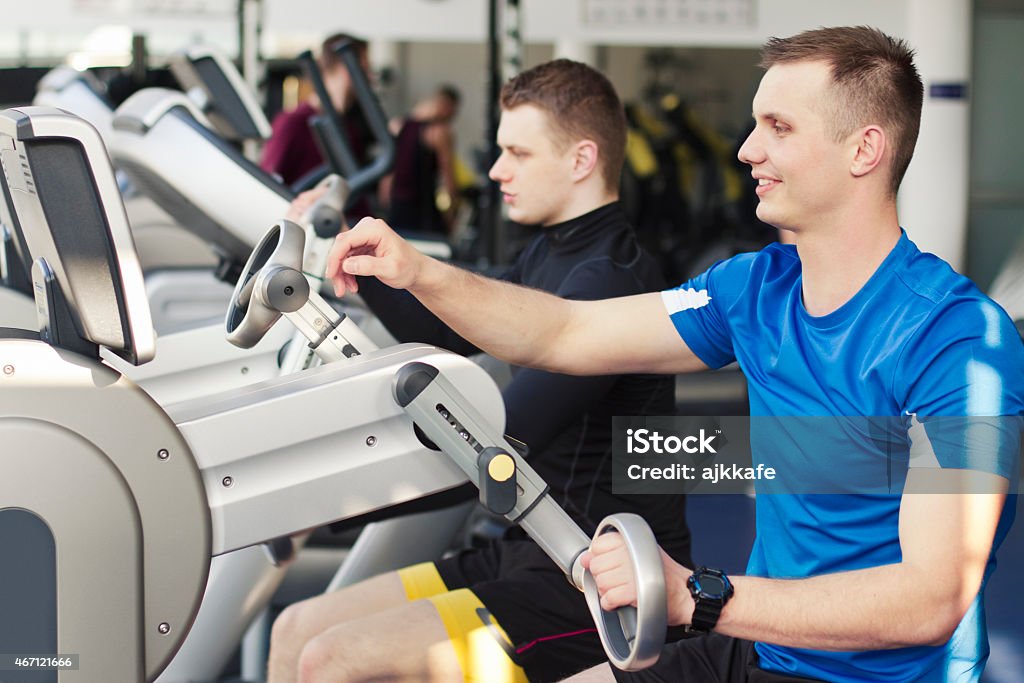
[711,585]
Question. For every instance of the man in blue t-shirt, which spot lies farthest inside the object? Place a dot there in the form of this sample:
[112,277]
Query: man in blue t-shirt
[850,321]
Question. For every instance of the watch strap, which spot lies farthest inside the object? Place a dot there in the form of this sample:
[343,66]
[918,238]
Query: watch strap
[705,614]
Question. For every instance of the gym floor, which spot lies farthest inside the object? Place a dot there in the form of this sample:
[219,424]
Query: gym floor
[723,531]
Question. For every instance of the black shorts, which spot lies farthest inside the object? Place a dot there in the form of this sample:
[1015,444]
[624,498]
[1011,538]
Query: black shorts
[713,658]
[544,615]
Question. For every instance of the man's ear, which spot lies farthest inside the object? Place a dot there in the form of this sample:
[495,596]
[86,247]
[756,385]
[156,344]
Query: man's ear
[870,144]
[584,161]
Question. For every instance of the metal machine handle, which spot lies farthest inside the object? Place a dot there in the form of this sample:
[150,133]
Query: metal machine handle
[327,213]
[633,636]
[273,284]
[271,278]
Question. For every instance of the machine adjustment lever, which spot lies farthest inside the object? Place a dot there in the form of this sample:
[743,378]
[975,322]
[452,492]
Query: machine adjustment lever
[497,481]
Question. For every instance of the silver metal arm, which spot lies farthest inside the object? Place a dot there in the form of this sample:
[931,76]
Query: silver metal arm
[632,637]
[332,335]
[263,482]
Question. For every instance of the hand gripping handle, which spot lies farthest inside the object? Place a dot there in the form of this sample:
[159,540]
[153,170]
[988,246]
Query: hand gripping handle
[633,636]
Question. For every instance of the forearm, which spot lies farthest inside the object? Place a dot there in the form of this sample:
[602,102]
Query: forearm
[869,609]
[409,320]
[945,541]
[511,322]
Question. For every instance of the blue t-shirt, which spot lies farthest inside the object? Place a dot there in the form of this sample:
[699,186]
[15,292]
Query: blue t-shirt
[917,340]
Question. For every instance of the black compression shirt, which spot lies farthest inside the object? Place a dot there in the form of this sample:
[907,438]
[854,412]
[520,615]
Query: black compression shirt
[567,421]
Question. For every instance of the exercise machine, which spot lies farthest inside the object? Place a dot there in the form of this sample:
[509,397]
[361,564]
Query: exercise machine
[166,490]
[211,80]
[241,583]
[138,499]
[15,287]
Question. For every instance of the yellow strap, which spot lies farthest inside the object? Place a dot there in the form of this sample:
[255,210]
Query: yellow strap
[480,644]
[421,581]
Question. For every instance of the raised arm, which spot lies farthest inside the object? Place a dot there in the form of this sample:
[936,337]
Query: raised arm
[517,324]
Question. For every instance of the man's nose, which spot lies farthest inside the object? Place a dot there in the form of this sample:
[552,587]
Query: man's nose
[497,172]
[750,151]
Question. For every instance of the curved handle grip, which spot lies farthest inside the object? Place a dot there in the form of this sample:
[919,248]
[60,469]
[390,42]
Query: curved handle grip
[633,637]
[271,283]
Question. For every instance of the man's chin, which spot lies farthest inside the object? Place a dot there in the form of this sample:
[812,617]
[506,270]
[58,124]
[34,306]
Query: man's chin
[519,216]
[766,215]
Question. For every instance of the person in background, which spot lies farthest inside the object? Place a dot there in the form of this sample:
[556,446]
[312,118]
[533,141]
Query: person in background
[292,151]
[424,164]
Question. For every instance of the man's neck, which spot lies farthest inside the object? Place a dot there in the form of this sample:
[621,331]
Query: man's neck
[837,260]
[582,203]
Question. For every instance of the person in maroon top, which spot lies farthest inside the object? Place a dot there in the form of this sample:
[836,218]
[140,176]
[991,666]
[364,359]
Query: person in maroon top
[292,152]
[424,163]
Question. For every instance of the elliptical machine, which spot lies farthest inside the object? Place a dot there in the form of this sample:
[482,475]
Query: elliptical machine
[112,507]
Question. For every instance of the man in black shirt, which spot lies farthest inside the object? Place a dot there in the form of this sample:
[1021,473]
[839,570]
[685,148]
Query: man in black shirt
[506,612]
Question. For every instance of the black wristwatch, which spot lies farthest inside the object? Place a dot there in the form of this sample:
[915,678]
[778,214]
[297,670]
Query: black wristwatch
[710,589]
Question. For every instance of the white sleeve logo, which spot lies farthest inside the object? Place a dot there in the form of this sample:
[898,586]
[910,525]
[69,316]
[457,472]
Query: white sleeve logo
[677,300]
[922,453]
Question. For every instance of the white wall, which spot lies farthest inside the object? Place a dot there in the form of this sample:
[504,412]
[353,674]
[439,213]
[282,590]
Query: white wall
[550,20]
[52,27]
[39,31]
[933,196]
[291,23]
